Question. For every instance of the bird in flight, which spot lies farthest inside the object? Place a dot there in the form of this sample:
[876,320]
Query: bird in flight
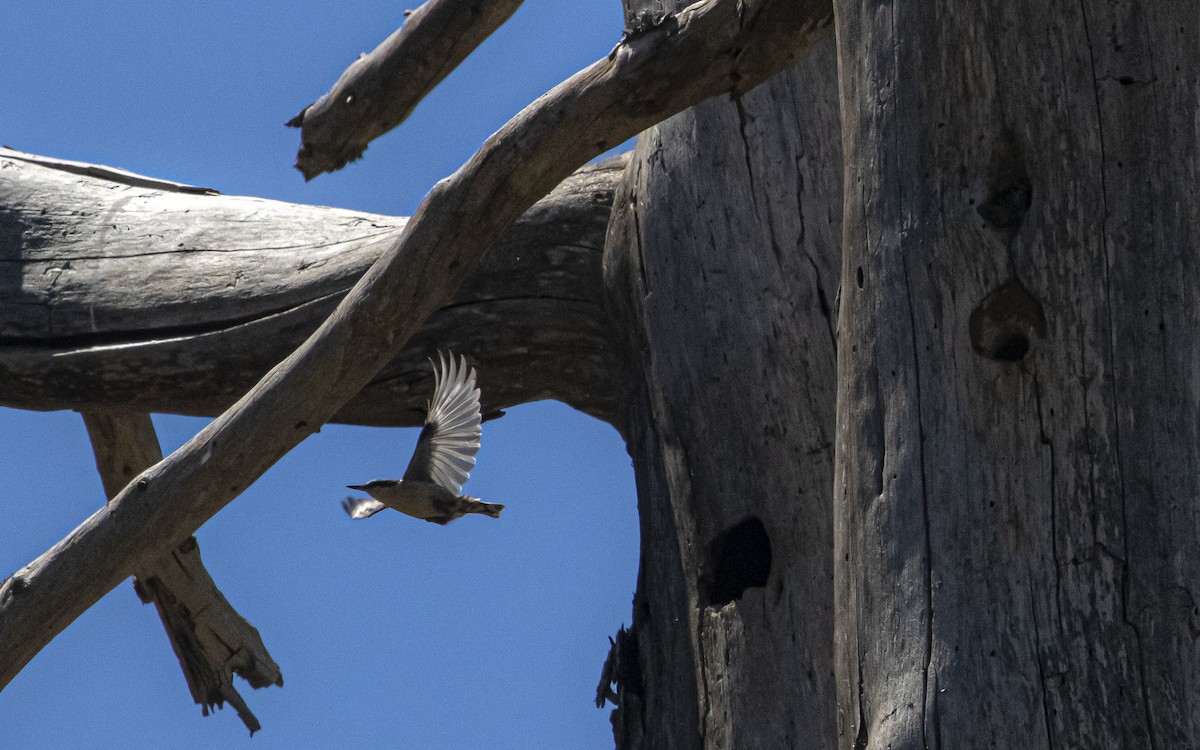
[432,485]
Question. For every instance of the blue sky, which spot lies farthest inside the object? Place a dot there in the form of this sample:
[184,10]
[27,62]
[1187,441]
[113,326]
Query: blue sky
[390,632]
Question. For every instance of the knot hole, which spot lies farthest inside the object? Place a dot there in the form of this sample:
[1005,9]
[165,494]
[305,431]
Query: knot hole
[1003,324]
[739,558]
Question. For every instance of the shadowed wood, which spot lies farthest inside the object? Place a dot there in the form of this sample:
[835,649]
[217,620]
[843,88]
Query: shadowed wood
[119,291]
[210,639]
[722,265]
[711,47]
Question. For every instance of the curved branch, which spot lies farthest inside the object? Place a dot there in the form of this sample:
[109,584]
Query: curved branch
[695,54]
[380,90]
[117,291]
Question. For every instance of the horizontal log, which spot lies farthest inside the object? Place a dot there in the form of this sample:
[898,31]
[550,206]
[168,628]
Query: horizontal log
[121,291]
[652,74]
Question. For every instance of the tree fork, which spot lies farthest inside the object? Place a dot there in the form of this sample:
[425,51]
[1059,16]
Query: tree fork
[711,47]
[210,639]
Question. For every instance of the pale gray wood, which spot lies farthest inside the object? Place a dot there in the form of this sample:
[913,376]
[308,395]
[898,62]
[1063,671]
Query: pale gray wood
[699,53]
[210,639]
[722,265]
[117,291]
[1017,481]
[381,89]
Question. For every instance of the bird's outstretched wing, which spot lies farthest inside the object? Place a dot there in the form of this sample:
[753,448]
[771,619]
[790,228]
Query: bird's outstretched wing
[361,507]
[446,450]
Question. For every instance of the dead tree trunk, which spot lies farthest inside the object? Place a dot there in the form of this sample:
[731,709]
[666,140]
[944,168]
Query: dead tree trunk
[1008,554]
[141,294]
[721,266]
[637,84]
[1017,470]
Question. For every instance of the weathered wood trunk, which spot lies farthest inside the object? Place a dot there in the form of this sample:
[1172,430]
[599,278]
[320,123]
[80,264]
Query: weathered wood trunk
[721,265]
[139,294]
[1016,514]
[211,640]
[1008,553]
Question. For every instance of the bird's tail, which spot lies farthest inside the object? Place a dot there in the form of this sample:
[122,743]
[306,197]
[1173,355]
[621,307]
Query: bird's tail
[475,505]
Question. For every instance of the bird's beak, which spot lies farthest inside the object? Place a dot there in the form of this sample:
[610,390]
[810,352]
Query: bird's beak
[355,486]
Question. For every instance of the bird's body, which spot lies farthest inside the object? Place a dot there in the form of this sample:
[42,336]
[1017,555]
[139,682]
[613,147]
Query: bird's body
[425,500]
[432,485]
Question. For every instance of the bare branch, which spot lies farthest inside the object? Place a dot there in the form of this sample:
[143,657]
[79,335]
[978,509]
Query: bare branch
[210,639]
[711,47]
[120,297]
[380,90]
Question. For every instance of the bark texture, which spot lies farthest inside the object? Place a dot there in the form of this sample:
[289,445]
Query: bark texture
[381,89]
[722,266]
[210,639]
[697,53]
[119,291]
[1016,512]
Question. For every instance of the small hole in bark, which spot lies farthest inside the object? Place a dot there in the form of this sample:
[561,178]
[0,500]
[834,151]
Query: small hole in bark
[1003,325]
[1012,349]
[1005,208]
[859,276]
[740,558]
[1009,190]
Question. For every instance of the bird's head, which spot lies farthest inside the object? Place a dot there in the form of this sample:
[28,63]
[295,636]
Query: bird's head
[376,487]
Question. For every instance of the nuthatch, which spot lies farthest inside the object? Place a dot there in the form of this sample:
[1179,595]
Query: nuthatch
[443,459]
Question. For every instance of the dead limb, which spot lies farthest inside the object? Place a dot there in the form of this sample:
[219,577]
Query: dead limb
[709,48]
[381,89]
[210,639]
[131,295]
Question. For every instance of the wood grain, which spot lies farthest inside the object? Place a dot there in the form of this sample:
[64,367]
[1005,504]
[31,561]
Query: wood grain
[381,89]
[711,47]
[1016,526]
[121,292]
[210,639]
[722,266]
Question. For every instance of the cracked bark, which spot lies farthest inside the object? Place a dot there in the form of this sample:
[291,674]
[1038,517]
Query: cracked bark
[169,298]
[733,205]
[700,52]
[1014,518]
[1033,538]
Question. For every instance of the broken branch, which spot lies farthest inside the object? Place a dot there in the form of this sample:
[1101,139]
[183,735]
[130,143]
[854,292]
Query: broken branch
[381,89]
[210,639]
[711,47]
